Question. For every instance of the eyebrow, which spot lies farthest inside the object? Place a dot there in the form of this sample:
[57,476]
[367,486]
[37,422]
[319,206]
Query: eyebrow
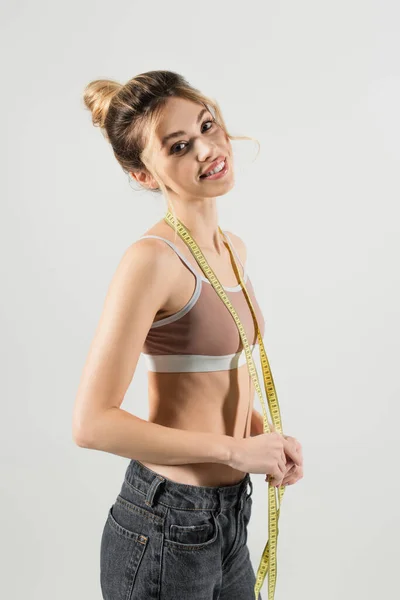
[181,132]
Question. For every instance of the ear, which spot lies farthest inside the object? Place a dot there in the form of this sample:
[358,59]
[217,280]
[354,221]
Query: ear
[144,179]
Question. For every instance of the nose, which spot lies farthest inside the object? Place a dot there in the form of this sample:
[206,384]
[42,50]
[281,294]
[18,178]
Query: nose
[206,150]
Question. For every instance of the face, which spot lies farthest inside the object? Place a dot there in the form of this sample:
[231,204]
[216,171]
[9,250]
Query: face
[187,141]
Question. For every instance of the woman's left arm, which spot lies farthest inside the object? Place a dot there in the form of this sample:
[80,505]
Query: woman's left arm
[257,423]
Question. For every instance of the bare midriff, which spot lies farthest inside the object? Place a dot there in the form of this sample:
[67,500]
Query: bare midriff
[214,402]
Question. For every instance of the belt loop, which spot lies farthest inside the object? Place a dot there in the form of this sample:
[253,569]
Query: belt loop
[243,493]
[220,503]
[251,489]
[152,489]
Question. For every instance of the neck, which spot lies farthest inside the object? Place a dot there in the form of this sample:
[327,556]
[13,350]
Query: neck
[201,220]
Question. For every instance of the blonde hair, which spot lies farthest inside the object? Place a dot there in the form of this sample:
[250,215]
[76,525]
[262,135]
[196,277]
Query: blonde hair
[128,116]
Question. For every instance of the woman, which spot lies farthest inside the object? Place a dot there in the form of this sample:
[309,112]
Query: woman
[178,526]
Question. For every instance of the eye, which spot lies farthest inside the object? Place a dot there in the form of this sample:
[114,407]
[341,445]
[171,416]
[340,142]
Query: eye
[173,148]
[209,121]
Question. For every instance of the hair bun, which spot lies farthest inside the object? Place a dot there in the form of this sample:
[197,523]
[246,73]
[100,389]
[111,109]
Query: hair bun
[97,97]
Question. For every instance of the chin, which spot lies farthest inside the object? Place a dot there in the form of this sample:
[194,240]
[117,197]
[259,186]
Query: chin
[224,189]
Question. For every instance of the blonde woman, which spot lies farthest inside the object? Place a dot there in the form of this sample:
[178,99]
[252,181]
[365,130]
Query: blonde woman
[178,526]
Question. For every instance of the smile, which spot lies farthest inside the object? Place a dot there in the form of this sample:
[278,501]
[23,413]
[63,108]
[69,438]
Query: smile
[220,169]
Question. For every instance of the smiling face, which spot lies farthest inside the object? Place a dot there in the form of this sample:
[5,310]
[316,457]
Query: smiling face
[186,142]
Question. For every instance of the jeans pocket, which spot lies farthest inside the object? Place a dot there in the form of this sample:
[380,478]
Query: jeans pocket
[190,529]
[191,554]
[191,534]
[121,552]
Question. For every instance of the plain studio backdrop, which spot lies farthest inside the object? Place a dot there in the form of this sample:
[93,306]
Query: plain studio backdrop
[319,85]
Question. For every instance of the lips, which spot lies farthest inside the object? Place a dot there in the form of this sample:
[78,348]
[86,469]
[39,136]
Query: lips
[213,165]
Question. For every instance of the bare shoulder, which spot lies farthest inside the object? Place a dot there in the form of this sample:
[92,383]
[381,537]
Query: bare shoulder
[239,244]
[144,255]
[149,265]
[161,247]
[154,252]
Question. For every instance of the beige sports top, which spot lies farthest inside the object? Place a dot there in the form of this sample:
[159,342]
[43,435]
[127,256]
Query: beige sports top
[203,335]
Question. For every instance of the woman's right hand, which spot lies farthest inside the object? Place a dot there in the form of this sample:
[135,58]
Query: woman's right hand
[265,453]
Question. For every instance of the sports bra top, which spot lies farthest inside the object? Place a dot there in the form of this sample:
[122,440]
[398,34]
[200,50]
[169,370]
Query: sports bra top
[203,335]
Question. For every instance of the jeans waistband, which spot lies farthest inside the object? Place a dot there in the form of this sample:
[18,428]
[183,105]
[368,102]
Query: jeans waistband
[158,488]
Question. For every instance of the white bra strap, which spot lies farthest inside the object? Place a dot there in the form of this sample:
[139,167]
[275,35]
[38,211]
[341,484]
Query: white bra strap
[179,253]
[236,253]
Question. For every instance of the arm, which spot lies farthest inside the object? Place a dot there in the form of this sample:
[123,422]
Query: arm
[119,432]
[137,291]
[257,423]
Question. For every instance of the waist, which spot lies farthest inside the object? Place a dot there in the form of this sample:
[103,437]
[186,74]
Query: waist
[198,474]
[213,402]
[141,475]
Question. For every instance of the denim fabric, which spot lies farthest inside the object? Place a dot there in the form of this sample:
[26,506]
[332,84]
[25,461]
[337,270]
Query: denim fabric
[164,540]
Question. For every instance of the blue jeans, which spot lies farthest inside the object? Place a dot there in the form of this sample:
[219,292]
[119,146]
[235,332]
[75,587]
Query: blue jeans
[164,540]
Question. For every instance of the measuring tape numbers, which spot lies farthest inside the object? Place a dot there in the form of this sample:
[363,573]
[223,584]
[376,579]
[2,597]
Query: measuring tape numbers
[268,562]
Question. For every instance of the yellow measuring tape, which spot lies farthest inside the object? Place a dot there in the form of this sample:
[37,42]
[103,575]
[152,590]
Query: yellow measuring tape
[268,559]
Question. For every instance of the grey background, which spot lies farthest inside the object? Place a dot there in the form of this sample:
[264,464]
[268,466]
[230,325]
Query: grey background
[319,85]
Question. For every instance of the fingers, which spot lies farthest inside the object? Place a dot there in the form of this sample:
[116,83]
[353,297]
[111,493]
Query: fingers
[291,451]
[294,476]
[281,470]
[296,444]
[274,480]
[290,475]
[283,461]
